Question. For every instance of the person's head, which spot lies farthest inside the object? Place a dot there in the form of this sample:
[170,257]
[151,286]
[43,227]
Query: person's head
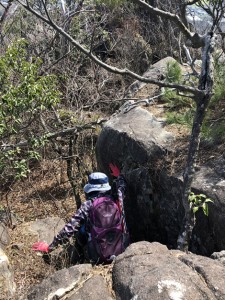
[97,182]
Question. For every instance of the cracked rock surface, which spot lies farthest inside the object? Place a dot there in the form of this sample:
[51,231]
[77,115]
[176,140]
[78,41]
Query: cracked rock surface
[151,271]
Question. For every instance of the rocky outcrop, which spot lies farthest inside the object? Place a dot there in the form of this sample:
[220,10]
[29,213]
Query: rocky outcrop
[151,271]
[77,282]
[220,256]
[137,142]
[157,71]
[144,271]
[46,229]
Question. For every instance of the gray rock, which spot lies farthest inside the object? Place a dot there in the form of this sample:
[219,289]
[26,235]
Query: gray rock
[93,289]
[157,71]
[136,141]
[138,144]
[4,236]
[211,272]
[209,233]
[9,219]
[7,284]
[46,228]
[60,283]
[137,135]
[151,271]
[220,256]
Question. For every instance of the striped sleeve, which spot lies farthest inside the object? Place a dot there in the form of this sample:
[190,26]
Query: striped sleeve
[121,190]
[72,227]
[121,186]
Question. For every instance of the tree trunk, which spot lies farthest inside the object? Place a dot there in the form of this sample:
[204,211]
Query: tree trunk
[70,174]
[202,101]
[188,176]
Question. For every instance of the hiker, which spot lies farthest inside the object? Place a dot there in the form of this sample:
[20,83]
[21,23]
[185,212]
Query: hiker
[98,224]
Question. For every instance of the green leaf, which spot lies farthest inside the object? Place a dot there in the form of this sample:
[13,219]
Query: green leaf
[191,197]
[209,200]
[205,209]
[202,195]
[195,209]
[23,95]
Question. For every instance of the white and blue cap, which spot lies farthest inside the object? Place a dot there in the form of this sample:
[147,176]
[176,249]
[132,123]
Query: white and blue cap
[97,182]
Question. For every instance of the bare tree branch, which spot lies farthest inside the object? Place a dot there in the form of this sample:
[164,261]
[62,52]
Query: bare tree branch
[215,11]
[55,62]
[196,39]
[108,67]
[5,13]
[3,5]
[50,136]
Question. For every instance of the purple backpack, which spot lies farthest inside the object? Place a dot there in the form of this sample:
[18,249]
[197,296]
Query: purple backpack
[106,229]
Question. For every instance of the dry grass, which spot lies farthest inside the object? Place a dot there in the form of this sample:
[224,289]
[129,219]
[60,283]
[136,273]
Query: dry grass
[46,193]
[106,273]
[29,268]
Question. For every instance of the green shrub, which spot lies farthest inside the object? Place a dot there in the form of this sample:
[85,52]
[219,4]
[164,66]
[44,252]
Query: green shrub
[173,72]
[213,129]
[110,3]
[181,109]
[184,117]
[25,98]
[219,81]
[213,133]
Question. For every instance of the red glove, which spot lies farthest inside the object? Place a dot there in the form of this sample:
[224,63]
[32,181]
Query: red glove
[115,170]
[41,246]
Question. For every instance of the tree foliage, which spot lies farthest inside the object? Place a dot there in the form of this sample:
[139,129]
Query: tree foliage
[25,98]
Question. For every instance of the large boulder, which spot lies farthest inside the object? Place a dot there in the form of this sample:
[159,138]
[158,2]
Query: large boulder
[157,71]
[92,289]
[59,283]
[46,228]
[209,233]
[151,271]
[137,142]
[74,283]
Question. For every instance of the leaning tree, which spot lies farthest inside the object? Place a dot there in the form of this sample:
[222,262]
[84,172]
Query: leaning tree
[175,13]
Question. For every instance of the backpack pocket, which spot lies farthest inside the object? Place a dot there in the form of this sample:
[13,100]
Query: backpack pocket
[108,243]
